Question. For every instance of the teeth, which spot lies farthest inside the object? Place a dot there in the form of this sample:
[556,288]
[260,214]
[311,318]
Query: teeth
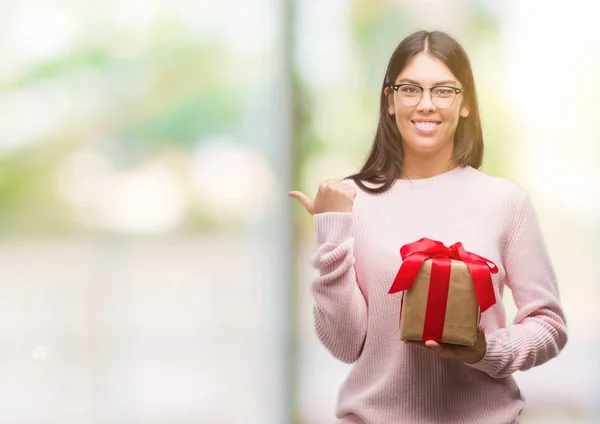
[426,125]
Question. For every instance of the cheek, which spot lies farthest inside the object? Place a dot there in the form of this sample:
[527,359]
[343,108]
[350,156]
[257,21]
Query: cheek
[403,123]
[451,119]
[403,115]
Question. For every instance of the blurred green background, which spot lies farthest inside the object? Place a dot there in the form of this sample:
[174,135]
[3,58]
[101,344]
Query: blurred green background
[153,270]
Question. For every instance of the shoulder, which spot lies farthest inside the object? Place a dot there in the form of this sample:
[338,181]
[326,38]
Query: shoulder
[511,201]
[508,201]
[498,187]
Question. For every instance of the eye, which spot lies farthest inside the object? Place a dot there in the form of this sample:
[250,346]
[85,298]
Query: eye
[443,91]
[410,90]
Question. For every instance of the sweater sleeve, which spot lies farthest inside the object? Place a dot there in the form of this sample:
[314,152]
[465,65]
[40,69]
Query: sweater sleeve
[539,330]
[340,310]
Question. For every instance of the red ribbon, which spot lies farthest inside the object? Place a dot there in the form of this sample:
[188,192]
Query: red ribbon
[413,256]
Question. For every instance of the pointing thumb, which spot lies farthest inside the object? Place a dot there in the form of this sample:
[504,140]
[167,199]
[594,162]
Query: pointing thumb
[304,199]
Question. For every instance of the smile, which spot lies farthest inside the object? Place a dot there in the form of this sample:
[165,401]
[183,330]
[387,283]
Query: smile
[426,126]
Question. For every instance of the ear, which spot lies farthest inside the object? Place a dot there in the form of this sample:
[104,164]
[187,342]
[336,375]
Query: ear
[464,111]
[390,100]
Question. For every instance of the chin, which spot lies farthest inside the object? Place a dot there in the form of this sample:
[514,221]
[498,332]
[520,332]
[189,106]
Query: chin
[424,146]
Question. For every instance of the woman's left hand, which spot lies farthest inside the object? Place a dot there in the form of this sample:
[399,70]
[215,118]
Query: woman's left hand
[468,354]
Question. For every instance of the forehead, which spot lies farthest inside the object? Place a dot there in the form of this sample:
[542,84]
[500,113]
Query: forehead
[427,70]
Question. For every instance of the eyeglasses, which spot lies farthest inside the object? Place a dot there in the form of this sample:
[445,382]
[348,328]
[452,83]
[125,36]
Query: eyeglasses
[410,95]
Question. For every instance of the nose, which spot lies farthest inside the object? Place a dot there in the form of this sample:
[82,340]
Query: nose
[426,103]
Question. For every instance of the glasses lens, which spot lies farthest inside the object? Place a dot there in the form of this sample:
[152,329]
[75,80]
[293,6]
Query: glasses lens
[442,97]
[410,95]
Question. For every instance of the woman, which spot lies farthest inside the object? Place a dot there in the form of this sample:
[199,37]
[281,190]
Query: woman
[421,179]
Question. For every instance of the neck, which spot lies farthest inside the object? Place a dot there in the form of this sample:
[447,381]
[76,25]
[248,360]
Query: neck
[420,166]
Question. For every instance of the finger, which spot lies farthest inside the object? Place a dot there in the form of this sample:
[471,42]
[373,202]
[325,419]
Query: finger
[304,199]
[433,344]
[447,346]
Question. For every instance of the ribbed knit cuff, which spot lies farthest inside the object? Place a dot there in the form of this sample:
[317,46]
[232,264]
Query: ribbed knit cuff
[333,227]
[496,356]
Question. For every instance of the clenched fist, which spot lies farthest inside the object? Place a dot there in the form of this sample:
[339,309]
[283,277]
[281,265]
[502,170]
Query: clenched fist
[332,196]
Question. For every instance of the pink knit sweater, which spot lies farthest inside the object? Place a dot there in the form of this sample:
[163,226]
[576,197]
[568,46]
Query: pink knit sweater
[358,256]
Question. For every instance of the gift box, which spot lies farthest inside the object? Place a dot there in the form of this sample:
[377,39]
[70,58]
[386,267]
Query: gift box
[445,289]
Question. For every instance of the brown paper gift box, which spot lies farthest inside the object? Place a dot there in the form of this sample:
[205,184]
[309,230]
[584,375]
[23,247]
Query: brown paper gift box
[462,309]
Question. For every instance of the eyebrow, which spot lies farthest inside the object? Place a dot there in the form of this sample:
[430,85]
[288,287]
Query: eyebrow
[410,81]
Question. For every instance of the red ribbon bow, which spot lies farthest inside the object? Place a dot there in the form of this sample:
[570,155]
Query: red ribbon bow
[413,256]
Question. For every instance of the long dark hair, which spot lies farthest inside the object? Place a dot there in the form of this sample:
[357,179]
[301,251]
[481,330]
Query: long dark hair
[384,163]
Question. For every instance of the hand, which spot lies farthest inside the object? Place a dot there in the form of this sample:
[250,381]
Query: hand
[332,196]
[468,354]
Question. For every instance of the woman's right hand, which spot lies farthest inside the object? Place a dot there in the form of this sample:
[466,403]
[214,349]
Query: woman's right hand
[332,196]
